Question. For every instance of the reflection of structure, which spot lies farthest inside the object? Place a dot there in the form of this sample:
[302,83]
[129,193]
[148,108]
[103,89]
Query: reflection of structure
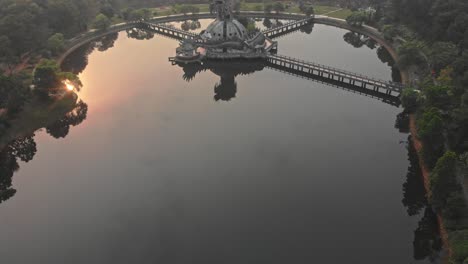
[226,89]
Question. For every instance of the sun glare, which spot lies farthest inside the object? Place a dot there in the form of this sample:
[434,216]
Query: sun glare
[69,85]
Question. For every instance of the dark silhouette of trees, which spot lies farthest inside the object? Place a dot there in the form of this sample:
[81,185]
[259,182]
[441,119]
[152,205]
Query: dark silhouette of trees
[414,194]
[61,127]
[427,242]
[22,149]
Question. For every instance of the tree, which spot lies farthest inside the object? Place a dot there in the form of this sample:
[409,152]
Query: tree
[48,78]
[442,54]
[7,52]
[278,7]
[13,94]
[101,22]
[309,10]
[410,54]
[56,43]
[389,32]
[437,96]
[430,125]
[443,180]
[139,14]
[430,131]
[410,99]
[357,19]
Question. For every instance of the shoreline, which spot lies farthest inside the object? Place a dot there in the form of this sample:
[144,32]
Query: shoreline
[425,173]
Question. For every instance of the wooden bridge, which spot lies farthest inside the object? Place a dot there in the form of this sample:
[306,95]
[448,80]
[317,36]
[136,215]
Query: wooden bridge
[168,31]
[287,28]
[387,91]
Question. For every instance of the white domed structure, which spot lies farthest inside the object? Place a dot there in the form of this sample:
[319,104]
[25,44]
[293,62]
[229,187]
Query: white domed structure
[225,30]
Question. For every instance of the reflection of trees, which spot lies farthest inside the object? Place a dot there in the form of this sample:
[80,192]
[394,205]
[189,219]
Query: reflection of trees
[402,122]
[359,40]
[307,28]
[414,195]
[226,89]
[77,61]
[386,57]
[61,128]
[140,34]
[23,149]
[427,242]
[107,41]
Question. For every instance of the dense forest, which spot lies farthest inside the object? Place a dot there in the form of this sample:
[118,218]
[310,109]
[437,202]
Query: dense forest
[432,41]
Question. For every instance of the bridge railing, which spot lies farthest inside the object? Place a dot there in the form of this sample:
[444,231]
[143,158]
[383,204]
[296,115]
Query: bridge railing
[267,31]
[335,70]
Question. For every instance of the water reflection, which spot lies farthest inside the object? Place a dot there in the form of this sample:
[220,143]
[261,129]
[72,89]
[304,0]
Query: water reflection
[22,149]
[427,243]
[358,40]
[140,34]
[226,89]
[61,127]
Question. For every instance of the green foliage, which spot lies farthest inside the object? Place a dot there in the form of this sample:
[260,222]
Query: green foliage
[46,75]
[139,14]
[430,131]
[278,7]
[13,93]
[430,125]
[56,43]
[444,183]
[49,79]
[442,54]
[459,244]
[455,205]
[389,32]
[410,99]
[357,19]
[101,22]
[410,54]
[437,96]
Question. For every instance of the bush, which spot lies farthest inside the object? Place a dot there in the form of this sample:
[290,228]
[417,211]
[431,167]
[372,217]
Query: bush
[444,184]
[409,99]
[101,22]
[459,243]
[357,19]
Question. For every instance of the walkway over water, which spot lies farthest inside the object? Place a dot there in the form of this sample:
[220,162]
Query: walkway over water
[287,28]
[168,31]
[388,91]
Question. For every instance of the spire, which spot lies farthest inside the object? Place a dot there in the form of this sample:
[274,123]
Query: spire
[223,9]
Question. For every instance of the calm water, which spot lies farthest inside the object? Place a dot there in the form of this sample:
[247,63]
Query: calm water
[266,168]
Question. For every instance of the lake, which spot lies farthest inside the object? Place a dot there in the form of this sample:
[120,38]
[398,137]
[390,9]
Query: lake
[237,163]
